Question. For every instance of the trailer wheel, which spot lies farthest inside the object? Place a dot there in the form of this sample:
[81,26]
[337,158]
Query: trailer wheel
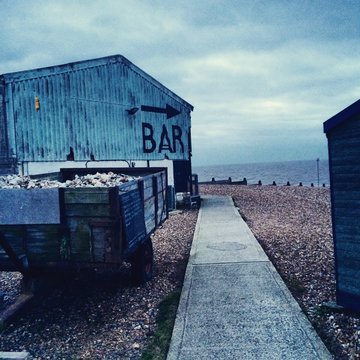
[142,263]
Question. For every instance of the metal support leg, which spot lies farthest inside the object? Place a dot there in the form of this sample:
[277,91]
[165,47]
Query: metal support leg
[12,255]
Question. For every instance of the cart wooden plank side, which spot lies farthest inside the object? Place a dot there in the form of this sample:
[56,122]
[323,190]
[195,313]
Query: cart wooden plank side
[66,229]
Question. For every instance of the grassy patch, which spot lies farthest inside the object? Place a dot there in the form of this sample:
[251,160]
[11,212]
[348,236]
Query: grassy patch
[295,285]
[158,348]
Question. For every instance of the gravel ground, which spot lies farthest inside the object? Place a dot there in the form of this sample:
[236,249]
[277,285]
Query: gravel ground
[293,225]
[102,316]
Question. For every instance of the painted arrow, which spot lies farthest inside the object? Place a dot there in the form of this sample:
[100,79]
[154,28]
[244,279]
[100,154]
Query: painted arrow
[169,110]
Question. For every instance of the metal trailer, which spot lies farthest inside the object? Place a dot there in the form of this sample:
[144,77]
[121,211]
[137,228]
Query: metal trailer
[57,230]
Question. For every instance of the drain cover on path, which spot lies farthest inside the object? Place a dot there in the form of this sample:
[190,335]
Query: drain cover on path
[227,246]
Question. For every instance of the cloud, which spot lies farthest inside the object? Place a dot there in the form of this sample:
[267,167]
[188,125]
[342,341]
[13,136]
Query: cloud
[258,73]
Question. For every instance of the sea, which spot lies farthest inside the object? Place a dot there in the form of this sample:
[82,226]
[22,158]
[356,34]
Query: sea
[307,172]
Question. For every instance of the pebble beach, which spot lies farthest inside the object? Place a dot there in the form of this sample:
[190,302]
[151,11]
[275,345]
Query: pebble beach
[293,225]
[97,318]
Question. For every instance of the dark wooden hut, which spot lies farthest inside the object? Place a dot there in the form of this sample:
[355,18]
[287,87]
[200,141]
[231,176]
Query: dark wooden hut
[343,133]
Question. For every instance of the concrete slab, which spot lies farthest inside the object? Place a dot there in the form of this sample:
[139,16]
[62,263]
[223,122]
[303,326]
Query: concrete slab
[6,355]
[223,236]
[234,305]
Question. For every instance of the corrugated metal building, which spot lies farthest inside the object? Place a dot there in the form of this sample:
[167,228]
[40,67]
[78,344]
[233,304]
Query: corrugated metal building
[343,133]
[101,109]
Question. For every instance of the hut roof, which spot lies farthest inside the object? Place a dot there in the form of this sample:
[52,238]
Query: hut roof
[342,117]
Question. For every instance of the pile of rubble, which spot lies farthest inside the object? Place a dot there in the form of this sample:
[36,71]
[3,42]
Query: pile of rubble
[97,180]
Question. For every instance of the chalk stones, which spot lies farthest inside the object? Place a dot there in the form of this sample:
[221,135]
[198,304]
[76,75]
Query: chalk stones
[90,180]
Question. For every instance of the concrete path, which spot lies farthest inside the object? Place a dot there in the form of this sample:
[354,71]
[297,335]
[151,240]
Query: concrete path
[234,305]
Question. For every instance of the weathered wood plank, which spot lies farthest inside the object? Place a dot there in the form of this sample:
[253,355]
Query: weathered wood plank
[103,242]
[86,196]
[350,260]
[345,226]
[162,211]
[128,186]
[88,210]
[80,239]
[348,244]
[149,213]
[351,168]
[350,142]
[348,271]
[161,182]
[346,186]
[148,182]
[149,206]
[150,225]
[42,243]
[132,211]
[347,203]
[14,235]
[341,158]
[348,285]
[148,193]
[348,211]
[339,193]
[344,178]
[346,237]
[346,221]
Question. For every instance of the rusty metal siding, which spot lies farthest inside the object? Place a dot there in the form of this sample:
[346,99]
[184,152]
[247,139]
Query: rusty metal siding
[7,163]
[3,138]
[83,106]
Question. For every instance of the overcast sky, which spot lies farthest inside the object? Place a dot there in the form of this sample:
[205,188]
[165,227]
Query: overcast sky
[262,75]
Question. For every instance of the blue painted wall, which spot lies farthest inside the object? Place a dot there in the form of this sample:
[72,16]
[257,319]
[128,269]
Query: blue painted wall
[80,110]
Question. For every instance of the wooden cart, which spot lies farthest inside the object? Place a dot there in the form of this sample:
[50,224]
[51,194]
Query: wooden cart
[66,229]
